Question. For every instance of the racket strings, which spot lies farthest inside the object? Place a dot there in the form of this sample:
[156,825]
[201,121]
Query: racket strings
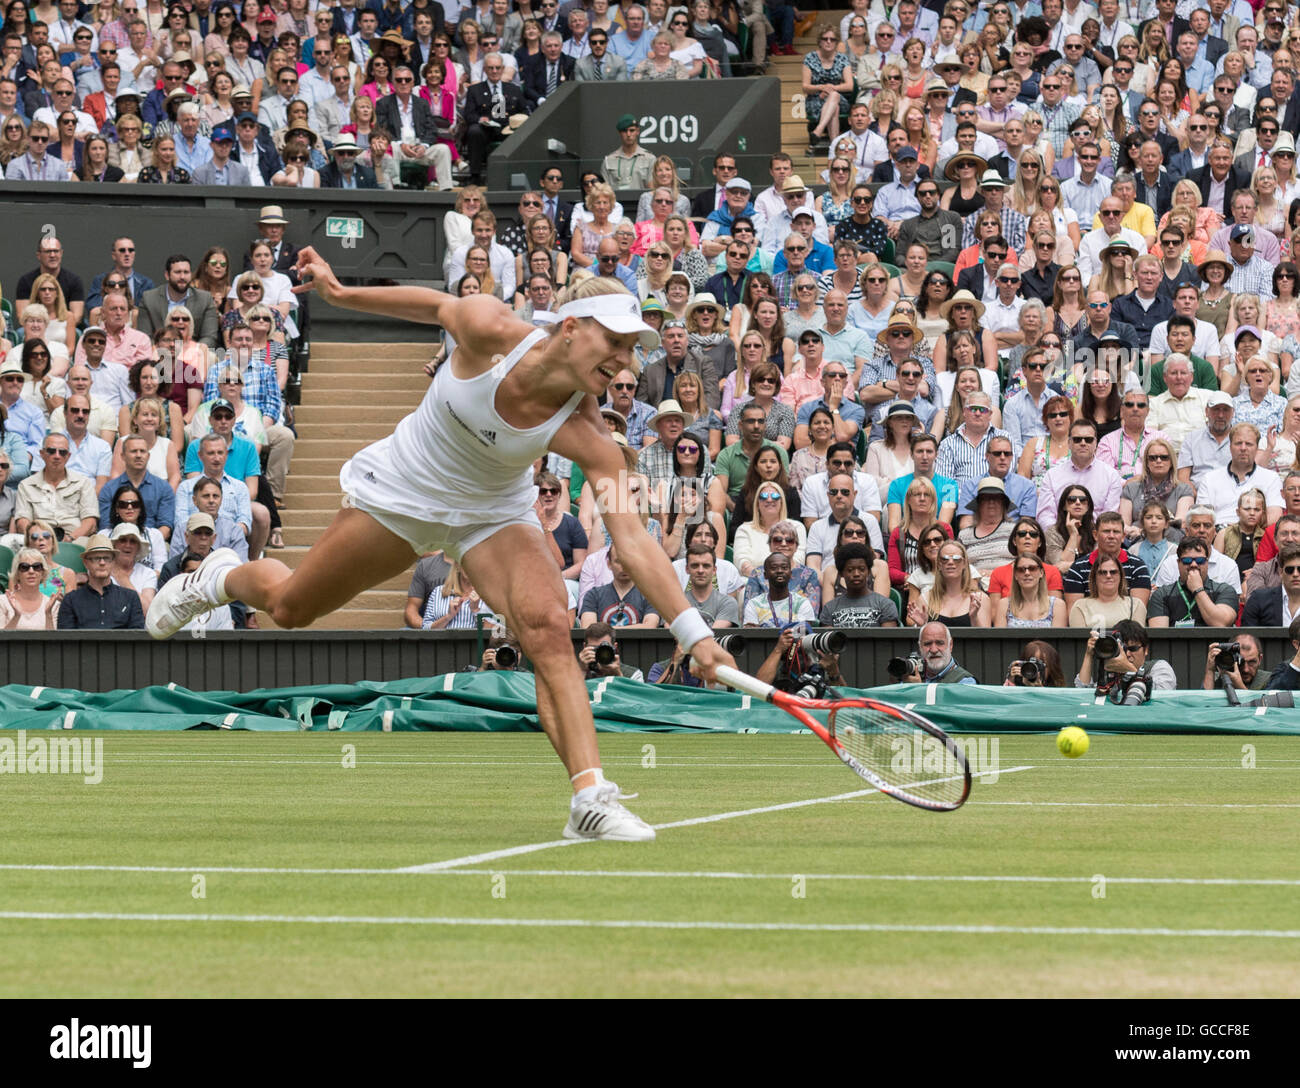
[908,758]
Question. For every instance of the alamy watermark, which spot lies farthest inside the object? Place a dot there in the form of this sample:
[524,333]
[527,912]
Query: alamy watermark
[53,754]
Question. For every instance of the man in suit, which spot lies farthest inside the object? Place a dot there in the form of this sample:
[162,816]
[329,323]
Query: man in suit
[35,165]
[711,199]
[221,169]
[415,132]
[887,171]
[1266,132]
[993,251]
[542,73]
[1196,153]
[122,254]
[1155,187]
[254,149]
[1264,606]
[488,106]
[675,356]
[1172,24]
[178,290]
[558,210]
[600,63]
[343,171]
[1209,47]
[1219,179]
[1221,24]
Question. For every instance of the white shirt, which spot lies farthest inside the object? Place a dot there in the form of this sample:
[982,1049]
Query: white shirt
[250,160]
[871,150]
[1221,569]
[144,82]
[815,503]
[1000,316]
[1094,241]
[1206,344]
[501,260]
[985,147]
[1221,489]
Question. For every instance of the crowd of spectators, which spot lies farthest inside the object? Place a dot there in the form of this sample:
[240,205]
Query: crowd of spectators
[353,95]
[141,425]
[1021,355]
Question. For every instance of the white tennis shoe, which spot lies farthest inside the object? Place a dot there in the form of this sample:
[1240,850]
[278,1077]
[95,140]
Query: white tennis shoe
[190,595]
[603,817]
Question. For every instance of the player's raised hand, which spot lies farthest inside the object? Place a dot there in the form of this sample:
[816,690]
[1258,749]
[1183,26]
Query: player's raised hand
[315,274]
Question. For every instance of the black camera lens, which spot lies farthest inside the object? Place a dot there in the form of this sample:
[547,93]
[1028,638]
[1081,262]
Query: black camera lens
[605,655]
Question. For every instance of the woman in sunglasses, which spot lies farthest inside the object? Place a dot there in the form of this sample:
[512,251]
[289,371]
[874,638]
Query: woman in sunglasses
[62,327]
[41,389]
[955,598]
[13,140]
[59,580]
[1029,602]
[1074,533]
[561,528]
[35,322]
[24,607]
[1027,538]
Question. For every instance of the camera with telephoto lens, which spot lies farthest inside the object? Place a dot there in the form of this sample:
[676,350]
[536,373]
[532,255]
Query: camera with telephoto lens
[1031,672]
[900,668]
[1106,647]
[604,658]
[823,642]
[506,657]
[732,644]
[1229,656]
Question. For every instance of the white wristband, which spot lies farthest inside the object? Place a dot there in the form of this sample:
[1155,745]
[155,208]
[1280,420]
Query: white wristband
[689,628]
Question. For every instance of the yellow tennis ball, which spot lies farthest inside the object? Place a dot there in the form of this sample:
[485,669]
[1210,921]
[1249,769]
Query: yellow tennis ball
[1072,742]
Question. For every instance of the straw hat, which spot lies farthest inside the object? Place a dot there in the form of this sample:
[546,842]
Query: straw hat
[957,299]
[900,322]
[1215,256]
[950,171]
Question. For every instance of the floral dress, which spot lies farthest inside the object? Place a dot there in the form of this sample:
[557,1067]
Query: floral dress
[823,75]
[1282,323]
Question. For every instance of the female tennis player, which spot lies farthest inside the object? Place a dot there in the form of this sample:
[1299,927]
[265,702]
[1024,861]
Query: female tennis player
[457,475]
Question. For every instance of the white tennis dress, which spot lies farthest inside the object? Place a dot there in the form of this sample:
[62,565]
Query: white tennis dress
[454,472]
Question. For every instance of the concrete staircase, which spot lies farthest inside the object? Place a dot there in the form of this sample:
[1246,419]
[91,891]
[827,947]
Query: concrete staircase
[794,128]
[352,395]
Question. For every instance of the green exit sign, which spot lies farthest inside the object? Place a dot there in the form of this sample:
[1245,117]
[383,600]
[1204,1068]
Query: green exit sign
[342,226]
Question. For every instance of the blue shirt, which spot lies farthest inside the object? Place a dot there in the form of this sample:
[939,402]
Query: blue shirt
[634,52]
[946,488]
[897,202]
[191,158]
[159,500]
[261,388]
[850,411]
[820,258]
[26,420]
[235,504]
[241,462]
[1022,493]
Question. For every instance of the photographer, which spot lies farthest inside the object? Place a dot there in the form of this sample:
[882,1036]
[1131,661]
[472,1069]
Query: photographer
[789,660]
[935,644]
[503,654]
[1245,673]
[597,661]
[676,670]
[1129,676]
[1286,677]
[1039,666]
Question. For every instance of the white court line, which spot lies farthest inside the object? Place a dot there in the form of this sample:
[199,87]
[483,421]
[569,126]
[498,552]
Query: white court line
[1135,804]
[532,848]
[658,874]
[594,923]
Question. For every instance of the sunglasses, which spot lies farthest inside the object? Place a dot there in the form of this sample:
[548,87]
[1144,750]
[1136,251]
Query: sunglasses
[128,504]
[1076,498]
[1193,561]
[1027,534]
[772,496]
[23,568]
[1158,457]
[53,452]
[548,490]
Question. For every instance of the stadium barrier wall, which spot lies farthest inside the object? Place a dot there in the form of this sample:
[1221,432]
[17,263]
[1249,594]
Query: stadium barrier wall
[507,702]
[688,120]
[245,660]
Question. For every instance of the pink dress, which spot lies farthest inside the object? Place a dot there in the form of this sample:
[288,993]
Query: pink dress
[1281,322]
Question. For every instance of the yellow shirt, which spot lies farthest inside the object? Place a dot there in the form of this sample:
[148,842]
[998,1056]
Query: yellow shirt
[1140,218]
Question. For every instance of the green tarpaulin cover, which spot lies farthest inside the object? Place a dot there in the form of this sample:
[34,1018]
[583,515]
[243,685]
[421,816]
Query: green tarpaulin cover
[499,701]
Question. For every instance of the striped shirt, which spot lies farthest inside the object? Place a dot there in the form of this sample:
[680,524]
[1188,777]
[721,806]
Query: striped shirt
[1013,228]
[440,603]
[959,460]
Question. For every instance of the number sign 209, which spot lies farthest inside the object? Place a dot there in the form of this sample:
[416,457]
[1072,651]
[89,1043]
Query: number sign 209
[670,130]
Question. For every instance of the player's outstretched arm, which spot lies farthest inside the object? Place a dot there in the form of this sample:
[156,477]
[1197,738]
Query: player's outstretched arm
[585,440]
[480,318]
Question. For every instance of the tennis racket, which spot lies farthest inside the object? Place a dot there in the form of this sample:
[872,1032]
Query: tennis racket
[899,752]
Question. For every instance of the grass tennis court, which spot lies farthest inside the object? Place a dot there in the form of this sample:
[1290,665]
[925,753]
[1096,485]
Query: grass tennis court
[1188,840]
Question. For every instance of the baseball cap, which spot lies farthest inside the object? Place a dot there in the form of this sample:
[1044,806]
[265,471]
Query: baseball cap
[907,151]
[1219,399]
[199,521]
[1243,232]
[740,183]
[619,313]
